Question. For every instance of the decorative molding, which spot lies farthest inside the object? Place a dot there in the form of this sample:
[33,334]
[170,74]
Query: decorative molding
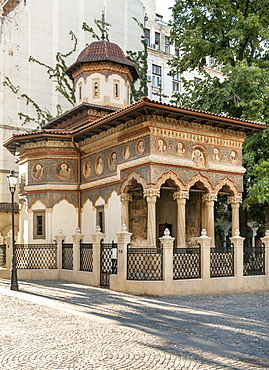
[228,182]
[181,195]
[125,197]
[151,192]
[235,199]
[132,176]
[209,197]
[45,187]
[166,176]
[200,178]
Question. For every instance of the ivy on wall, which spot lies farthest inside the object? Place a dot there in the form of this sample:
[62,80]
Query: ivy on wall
[140,59]
[63,83]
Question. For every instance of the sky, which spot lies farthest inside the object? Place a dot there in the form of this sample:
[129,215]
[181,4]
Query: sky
[162,8]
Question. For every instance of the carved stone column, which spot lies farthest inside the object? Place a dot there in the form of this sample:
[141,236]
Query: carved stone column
[235,203]
[208,214]
[151,197]
[125,199]
[180,197]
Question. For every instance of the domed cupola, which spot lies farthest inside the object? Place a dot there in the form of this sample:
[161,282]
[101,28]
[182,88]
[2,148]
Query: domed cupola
[102,75]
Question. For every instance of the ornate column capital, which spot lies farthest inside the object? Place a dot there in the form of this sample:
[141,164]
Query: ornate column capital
[182,194]
[235,199]
[125,197]
[209,197]
[149,193]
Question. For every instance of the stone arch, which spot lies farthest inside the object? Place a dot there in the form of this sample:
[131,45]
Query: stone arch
[228,182]
[202,179]
[132,176]
[166,176]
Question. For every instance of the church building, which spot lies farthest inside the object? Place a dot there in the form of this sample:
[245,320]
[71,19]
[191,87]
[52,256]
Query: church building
[150,166]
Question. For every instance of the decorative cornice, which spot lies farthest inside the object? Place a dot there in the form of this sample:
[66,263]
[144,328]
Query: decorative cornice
[46,187]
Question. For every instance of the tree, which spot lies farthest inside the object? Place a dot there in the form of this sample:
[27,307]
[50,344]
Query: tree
[235,33]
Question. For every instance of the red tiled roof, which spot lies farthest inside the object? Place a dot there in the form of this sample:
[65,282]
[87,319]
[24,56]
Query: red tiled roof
[103,50]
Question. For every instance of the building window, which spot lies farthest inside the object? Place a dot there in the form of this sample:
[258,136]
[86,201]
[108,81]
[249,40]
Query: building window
[79,92]
[147,36]
[95,88]
[39,225]
[197,80]
[116,89]
[157,40]
[176,83]
[176,53]
[156,75]
[100,218]
[166,45]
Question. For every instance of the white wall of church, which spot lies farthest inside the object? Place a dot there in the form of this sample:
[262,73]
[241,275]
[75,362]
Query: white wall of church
[64,216]
[113,217]
[88,221]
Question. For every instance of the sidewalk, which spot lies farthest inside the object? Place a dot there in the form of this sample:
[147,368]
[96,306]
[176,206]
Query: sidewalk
[58,325]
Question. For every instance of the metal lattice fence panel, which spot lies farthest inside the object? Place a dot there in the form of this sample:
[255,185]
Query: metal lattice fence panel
[36,256]
[254,261]
[221,262]
[108,262]
[86,257]
[144,263]
[2,255]
[67,256]
[186,263]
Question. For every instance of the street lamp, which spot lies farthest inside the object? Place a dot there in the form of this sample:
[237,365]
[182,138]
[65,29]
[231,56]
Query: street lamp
[12,182]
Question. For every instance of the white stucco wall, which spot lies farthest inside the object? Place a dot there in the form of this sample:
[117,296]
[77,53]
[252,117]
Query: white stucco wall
[64,216]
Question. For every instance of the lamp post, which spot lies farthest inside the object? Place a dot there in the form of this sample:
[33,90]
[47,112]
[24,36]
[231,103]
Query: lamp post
[12,182]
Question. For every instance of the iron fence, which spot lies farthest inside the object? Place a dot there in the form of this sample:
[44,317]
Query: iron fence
[108,262]
[36,256]
[222,261]
[86,257]
[2,255]
[254,261]
[67,256]
[144,263]
[187,263]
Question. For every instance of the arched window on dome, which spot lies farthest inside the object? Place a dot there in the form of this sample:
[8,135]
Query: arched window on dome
[95,88]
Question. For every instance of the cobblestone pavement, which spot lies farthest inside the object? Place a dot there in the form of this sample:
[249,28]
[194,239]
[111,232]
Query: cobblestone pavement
[58,325]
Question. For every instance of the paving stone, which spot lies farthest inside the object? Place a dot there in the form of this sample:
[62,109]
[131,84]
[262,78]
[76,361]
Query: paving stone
[58,325]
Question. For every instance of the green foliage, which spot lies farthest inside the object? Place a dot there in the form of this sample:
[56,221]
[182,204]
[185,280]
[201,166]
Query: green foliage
[228,30]
[42,115]
[63,85]
[140,59]
[57,74]
[236,34]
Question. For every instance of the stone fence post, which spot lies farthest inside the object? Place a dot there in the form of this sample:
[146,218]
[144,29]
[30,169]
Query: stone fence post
[96,249]
[123,239]
[265,240]
[9,250]
[238,243]
[59,239]
[77,238]
[205,242]
[167,242]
